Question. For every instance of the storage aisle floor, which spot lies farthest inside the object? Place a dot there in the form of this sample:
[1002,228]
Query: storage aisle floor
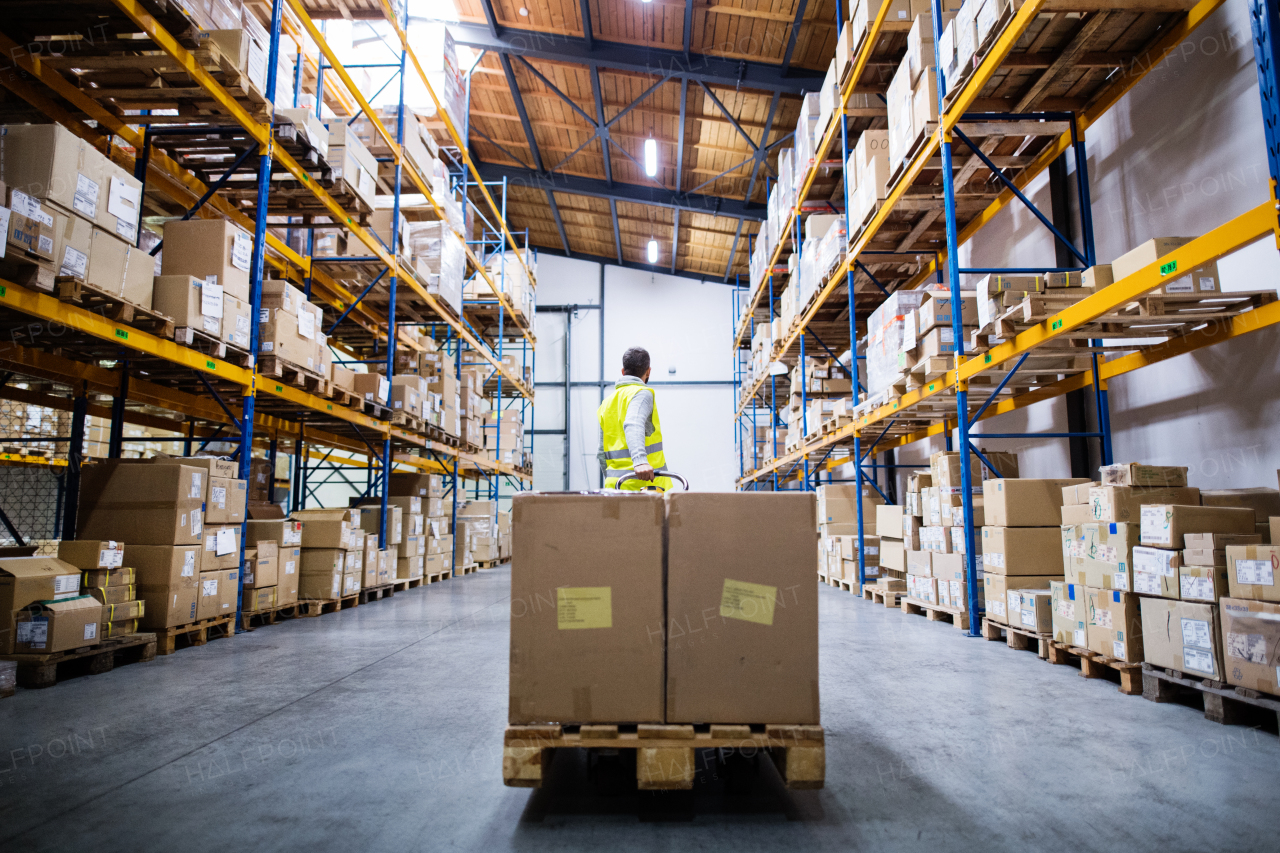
[380,729]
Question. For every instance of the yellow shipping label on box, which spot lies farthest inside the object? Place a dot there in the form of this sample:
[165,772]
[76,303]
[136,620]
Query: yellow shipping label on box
[584,607]
[750,602]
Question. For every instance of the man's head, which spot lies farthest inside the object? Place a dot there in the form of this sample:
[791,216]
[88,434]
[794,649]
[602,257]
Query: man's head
[635,362]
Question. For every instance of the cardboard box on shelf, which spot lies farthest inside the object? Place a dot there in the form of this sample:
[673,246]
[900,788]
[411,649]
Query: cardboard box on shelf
[324,528]
[1077,493]
[227,501]
[219,592]
[920,563]
[1070,613]
[190,303]
[221,547]
[168,578]
[889,521]
[1251,643]
[1115,624]
[596,654]
[320,573]
[264,568]
[54,626]
[1124,503]
[142,504]
[1163,525]
[1182,635]
[72,244]
[1024,502]
[1202,279]
[892,554]
[951,573]
[284,532]
[1155,572]
[764,548]
[236,320]
[1252,571]
[997,588]
[49,163]
[1022,550]
[410,567]
[214,250]
[88,554]
[1143,476]
[258,599]
[1034,610]
[1099,554]
[288,574]
[1077,513]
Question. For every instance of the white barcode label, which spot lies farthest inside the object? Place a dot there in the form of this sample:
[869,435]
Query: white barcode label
[1196,632]
[197,522]
[994,559]
[1120,580]
[1028,618]
[74,262]
[1066,609]
[25,205]
[211,325]
[1078,637]
[66,583]
[111,558]
[91,631]
[307,324]
[1155,526]
[197,485]
[1255,572]
[1197,660]
[1196,589]
[1146,583]
[226,541]
[45,245]
[209,587]
[218,496]
[1117,650]
[85,200]
[289,567]
[241,251]
[211,300]
[242,324]
[1250,647]
[1102,618]
[189,564]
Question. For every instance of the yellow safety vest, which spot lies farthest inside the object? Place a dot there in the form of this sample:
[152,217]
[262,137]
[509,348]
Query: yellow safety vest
[617,458]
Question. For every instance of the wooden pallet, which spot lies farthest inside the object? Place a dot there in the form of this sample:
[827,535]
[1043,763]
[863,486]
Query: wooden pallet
[1222,703]
[1017,638]
[112,307]
[39,671]
[276,367]
[195,634]
[841,583]
[887,597]
[319,606]
[489,564]
[211,346]
[436,577]
[406,420]
[665,753]
[936,612]
[464,570]
[29,270]
[1094,665]
[376,593]
[269,616]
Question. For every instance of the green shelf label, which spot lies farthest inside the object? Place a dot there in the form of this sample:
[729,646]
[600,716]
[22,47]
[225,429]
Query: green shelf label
[1057,324]
[122,334]
[986,359]
[3,290]
[1172,266]
[329,407]
[210,365]
[931,387]
[279,389]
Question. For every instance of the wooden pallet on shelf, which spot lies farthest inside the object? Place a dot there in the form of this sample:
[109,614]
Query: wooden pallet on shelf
[45,670]
[1017,638]
[275,367]
[407,421]
[1094,665]
[113,307]
[665,753]
[936,612]
[196,633]
[1222,703]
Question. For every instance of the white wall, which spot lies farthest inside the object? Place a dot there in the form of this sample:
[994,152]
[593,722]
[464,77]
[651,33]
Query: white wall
[683,323]
[1182,153]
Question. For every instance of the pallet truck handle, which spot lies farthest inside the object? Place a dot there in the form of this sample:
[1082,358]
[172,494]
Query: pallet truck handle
[672,474]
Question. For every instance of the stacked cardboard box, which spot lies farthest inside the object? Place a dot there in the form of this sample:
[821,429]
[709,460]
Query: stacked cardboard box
[284,537]
[838,531]
[105,577]
[326,539]
[439,259]
[1022,548]
[27,580]
[291,328]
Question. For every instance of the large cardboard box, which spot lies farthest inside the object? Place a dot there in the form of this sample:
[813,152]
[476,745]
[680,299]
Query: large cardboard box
[1155,571]
[1034,611]
[1163,525]
[1070,613]
[168,581]
[285,532]
[325,528]
[1203,583]
[142,504]
[1265,503]
[1022,550]
[416,485]
[221,547]
[951,571]
[371,521]
[219,593]
[837,504]
[1182,635]
[1252,570]
[55,626]
[1115,624]
[72,244]
[1024,503]
[1099,554]
[264,569]
[320,572]
[91,554]
[1202,279]
[24,580]
[920,563]
[49,163]
[288,574]
[1143,476]
[189,302]
[889,521]
[893,554]
[587,634]
[411,567]
[214,250]
[213,466]
[1124,503]
[742,608]
[227,501]
[1251,643]
[997,589]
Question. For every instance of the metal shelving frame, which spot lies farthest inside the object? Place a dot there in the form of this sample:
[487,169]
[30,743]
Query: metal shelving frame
[287,418]
[1253,225]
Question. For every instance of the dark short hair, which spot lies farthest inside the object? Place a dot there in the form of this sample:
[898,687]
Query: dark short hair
[635,361]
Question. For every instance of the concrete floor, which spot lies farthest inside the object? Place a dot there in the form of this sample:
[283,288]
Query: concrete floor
[380,729]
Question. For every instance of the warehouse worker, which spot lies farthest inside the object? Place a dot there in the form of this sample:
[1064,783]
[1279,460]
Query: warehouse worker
[630,435]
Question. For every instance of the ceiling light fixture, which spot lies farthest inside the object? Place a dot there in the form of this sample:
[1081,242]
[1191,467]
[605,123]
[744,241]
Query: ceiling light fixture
[653,244]
[651,157]
[524,13]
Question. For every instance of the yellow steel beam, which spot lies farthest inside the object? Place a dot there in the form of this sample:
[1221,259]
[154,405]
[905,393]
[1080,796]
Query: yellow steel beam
[18,459]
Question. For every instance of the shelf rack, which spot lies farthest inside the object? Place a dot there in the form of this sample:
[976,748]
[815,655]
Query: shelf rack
[940,405]
[84,352]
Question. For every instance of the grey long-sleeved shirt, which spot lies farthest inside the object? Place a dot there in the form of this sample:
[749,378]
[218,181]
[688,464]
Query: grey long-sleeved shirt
[636,425]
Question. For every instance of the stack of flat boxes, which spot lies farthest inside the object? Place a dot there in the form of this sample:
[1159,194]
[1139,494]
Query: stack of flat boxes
[893,555]
[106,579]
[941,505]
[472,404]
[480,520]
[1022,550]
[929,336]
[44,582]
[272,584]
[204,282]
[436,539]
[379,565]
[503,437]
[1251,613]
[326,539]
[838,532]
[72,212]
[292,329]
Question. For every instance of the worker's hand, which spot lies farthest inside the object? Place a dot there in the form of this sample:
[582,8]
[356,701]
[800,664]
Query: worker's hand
[644,472]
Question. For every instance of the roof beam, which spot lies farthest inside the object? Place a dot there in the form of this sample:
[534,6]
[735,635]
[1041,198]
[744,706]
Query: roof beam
[763,148]
[617,237]
[791,40]
[684,100]
[634,265]
[555,211]
[635,59]
[489,16]
[602,129]
[587,35]
[675,238]
[520,110]
[688,27]
[635,193]
[725,112]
